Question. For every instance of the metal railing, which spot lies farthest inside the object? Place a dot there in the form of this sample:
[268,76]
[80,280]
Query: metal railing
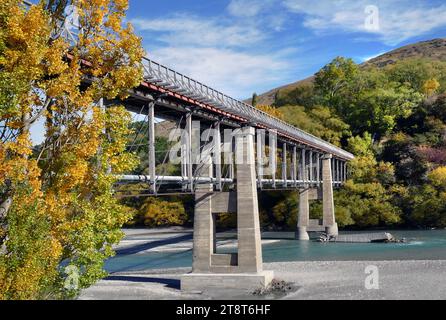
[171,80]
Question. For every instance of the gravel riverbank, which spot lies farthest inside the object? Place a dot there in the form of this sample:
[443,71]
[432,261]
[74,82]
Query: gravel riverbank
[311,280]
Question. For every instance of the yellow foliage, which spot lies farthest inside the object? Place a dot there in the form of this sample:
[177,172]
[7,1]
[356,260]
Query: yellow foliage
[272,111]
[67,193]
[438,177]
[156,212]
[430,87]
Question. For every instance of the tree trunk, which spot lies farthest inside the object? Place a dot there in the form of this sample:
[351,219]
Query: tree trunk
[4,208]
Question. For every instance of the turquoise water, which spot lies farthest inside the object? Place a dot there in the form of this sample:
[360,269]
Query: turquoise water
[422,245]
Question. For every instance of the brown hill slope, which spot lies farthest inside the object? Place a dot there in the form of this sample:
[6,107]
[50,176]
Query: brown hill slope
[433,49]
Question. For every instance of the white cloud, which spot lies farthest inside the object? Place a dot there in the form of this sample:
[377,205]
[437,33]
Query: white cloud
[235,73]
[250,8]
[231,55]
[194,31]
[400,20]
[245,8]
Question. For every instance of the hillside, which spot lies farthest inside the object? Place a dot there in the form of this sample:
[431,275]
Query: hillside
[433,49]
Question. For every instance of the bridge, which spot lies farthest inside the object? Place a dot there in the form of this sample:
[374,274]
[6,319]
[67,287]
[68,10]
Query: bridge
[222,152]
[227,152]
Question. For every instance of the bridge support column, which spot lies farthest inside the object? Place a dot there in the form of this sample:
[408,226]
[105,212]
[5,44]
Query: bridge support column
[304,203]
[249,241]
[204,229]
[242,270]
[304,216]
[329,220]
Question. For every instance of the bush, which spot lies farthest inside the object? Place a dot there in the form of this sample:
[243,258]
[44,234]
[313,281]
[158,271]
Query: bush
[157,213]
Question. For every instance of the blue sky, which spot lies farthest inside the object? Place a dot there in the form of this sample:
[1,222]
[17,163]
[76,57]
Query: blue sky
[246,46]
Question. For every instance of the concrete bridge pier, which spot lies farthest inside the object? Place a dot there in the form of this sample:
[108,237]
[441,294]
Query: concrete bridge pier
[304,201]
[304,216]
[329,220]
[326,194]
[242,270]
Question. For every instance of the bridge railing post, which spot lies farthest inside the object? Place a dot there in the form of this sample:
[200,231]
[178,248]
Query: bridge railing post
[284,165]
[339,176]
[228,152]
[273,156]
[303,168]
[311,168]
[190,163]
[217,155]
[294,167]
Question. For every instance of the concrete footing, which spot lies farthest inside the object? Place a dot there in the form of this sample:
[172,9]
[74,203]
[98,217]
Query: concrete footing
[302,234]
[332,230]
[233,281]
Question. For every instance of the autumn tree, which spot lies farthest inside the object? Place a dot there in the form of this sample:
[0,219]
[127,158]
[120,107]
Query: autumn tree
[65,191]
[430,87]
[272,111]
[160,213]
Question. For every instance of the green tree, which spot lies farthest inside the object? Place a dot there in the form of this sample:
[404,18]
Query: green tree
[369,198]
[429,200]
[302,95]
[416,72]
[333,79]
[318,120]
[367,205]
[378,110]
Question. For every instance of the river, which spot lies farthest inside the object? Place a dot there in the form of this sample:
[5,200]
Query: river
[160,254]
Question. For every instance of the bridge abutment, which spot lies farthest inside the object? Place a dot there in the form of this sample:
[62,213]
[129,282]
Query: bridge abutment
[242,270]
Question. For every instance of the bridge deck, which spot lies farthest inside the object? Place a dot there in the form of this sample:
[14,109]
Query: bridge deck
[180,87]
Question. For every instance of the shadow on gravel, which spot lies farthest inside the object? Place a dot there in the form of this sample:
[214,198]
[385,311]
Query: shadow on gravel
[152,244]
[170,283]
